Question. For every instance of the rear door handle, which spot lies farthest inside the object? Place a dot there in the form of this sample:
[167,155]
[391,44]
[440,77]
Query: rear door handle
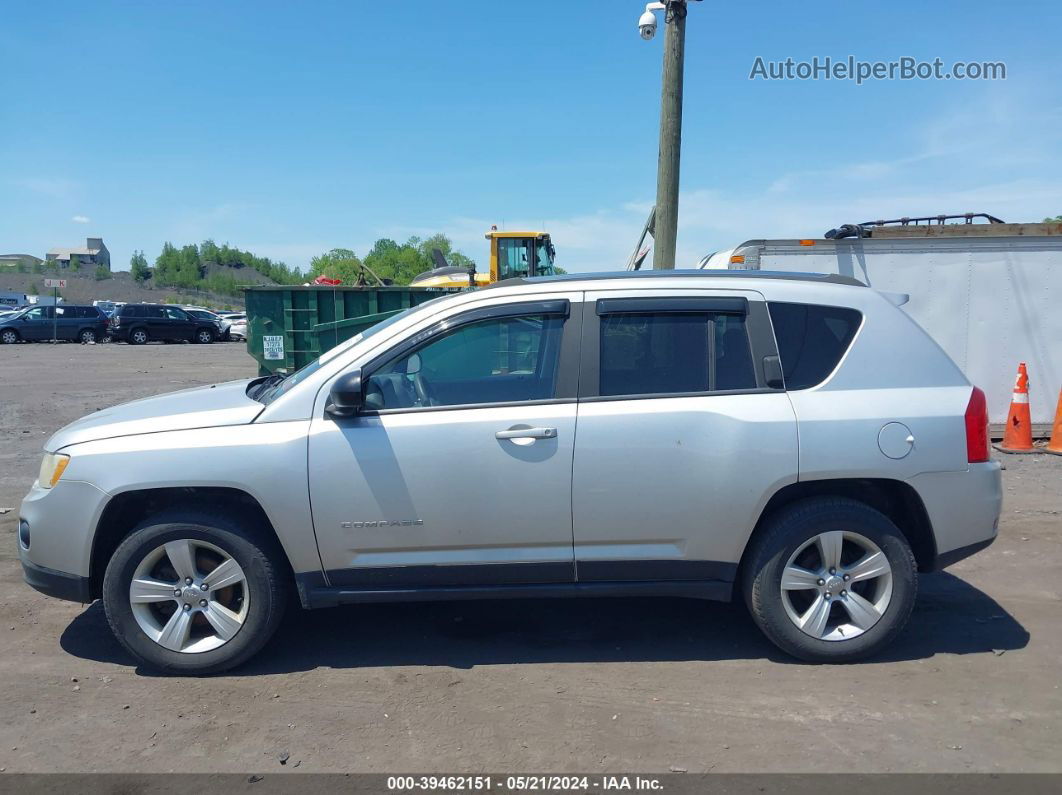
[527,433]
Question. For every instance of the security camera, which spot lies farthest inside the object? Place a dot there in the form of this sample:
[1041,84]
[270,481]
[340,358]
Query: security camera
[647,21]
[647,25]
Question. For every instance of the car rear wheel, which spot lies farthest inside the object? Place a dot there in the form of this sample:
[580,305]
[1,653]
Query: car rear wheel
[86,336]
[204,336]
[189,594]
[8,336]
[830,580]
[138,336]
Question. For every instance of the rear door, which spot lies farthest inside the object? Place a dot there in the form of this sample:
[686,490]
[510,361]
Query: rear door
[681,437]
[69,318]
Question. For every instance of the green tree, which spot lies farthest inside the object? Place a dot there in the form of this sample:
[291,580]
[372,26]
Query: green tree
[75,263]
[208,251]
[339,263]
[102,272]
[138,267]
[1055,220]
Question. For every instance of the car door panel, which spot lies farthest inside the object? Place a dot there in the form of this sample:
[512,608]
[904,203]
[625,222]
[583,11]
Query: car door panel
[452,495]
[668,486]
[438,489]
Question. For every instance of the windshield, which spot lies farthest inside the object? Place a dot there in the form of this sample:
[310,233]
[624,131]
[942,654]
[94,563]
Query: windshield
[279,384]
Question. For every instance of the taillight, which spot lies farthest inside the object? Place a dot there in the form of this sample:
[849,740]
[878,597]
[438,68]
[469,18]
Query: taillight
[977,428]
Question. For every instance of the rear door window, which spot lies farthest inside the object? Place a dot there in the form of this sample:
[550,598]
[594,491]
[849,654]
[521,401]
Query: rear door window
[812,339]
[660,353]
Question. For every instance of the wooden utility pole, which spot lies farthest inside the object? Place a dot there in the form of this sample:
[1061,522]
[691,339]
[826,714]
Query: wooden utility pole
[667,173]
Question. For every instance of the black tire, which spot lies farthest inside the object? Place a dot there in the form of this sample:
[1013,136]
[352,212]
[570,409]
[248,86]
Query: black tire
[789,529]
[267,587]
[203,336]
[9,336]
[138,336]
[86,335]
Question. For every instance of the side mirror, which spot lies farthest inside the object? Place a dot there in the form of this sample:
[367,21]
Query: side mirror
[772,372]
[346,396]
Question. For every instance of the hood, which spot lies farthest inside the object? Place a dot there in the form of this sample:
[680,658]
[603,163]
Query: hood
[202,407]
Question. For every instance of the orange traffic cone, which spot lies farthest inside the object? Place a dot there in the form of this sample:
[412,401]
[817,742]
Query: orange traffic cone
[1017,437]
[1055,445]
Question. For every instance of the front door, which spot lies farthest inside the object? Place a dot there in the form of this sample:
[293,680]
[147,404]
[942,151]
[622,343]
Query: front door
[681,436]
[36,323]
[179,324]
[458,470]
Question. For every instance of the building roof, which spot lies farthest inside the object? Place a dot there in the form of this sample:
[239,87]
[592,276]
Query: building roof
[64,253]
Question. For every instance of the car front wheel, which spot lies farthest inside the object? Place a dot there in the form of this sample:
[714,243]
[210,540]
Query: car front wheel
[8,336]
[830,580]
[204,336]
[186,594]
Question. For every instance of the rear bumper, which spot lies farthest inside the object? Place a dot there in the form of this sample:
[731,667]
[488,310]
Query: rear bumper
[954,556]
[963,509]
[57,583]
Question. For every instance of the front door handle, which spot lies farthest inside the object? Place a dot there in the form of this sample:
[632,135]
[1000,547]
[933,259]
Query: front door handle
[527,433]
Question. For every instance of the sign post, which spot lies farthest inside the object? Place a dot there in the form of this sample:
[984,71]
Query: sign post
[56,285]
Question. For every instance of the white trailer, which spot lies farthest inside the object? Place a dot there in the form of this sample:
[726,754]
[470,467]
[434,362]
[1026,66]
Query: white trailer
[989,294]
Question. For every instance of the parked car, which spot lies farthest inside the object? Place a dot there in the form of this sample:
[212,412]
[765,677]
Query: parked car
[64,322]
[219,322]
[238,327]
[141,323]
[793,440]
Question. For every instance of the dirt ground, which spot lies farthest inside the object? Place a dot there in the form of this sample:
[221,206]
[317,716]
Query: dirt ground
[523,686]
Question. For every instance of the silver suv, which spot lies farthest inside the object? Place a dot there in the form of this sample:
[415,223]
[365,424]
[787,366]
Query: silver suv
[793,439]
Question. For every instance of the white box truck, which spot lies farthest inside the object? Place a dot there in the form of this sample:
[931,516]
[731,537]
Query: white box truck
[989,293]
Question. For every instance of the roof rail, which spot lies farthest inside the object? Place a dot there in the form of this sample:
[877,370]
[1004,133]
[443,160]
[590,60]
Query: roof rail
[861,230]
[681,273]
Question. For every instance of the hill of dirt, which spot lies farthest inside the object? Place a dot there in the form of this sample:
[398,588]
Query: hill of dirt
[84,288]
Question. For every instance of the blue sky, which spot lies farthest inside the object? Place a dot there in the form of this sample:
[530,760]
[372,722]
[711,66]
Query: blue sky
[292,128]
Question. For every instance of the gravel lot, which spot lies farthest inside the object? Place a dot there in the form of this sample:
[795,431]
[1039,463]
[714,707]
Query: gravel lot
[592,686]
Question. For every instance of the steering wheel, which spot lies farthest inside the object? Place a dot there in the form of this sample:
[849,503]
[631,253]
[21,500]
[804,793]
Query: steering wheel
[424,396]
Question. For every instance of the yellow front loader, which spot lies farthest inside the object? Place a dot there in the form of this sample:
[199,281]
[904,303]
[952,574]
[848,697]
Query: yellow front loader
[512,255]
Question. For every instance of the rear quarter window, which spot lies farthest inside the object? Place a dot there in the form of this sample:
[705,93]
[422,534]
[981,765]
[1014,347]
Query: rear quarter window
[811,340]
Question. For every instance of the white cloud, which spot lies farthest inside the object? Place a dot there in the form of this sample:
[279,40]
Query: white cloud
[80,219]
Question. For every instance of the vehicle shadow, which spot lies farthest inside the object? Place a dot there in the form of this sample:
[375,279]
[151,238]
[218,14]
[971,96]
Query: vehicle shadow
[951,617]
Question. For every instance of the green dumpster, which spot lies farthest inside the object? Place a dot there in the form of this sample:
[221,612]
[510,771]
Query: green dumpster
[288,327]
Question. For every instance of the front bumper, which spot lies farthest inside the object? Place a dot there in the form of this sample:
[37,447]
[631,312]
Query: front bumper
[59,584]
[62,522]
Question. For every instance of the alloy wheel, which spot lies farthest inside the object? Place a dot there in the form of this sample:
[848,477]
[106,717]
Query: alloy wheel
[836,585]
[189,596]
[9,337]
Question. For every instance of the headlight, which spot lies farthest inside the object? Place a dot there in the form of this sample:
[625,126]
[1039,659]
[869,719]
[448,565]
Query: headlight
[52,468]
